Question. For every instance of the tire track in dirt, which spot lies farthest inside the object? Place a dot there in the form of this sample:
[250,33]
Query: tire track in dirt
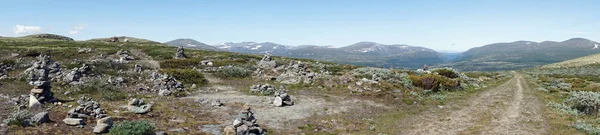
[506,109]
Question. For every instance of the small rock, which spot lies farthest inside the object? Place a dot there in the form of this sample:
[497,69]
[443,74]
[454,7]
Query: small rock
[177,130]
[73,121]
[278,102]
[40,118]
[70,106]
[101,128]
[34,103]
[160,133]
[67,93]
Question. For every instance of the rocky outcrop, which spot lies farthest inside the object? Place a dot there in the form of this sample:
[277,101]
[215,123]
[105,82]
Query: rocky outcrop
[124,56]
[166,85]
[296,72]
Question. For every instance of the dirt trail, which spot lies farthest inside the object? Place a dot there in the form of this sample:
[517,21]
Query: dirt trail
[510,108]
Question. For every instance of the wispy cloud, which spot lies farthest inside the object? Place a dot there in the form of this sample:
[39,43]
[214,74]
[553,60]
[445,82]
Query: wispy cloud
[77,28]
[24,29]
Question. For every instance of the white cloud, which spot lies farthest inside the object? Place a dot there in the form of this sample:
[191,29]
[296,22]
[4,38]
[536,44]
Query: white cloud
[24,29]
[77,28]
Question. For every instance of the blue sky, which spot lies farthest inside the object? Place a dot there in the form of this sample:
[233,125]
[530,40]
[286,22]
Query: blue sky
[440,25]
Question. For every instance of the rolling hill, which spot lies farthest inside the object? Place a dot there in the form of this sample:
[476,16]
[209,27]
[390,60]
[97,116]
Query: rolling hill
[522,54]
[190,43]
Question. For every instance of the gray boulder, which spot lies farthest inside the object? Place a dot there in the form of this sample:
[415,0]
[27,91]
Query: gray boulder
[278,102]
[40,118]
[73,121]
[103,125]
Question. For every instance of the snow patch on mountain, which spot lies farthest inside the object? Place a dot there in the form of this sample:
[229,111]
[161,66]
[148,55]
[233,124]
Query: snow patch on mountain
[256,47]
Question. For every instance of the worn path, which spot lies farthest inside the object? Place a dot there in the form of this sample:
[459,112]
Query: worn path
[510,108]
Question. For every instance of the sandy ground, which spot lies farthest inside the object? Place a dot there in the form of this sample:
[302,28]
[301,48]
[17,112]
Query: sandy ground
[509,108]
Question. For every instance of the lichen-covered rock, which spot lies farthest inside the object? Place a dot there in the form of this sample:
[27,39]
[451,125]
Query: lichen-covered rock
[73,121]
[40,118]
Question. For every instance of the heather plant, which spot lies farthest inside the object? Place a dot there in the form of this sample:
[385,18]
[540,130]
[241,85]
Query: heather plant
[563,109]
[446,72]
[587,128]
[18,118]
[584,101]
[234,72]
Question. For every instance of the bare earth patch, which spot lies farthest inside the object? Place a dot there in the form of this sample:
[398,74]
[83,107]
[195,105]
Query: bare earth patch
[304,106]
[506,109]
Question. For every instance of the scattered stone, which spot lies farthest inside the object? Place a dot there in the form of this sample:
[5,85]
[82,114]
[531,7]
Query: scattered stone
[103,125]
[34,103]
[138,106]
[216,103]
[124,56]
[84,50]
[206,63]
[265,89]
[282,99]
[73,121]
[137,68]
[40,118]
[181,130]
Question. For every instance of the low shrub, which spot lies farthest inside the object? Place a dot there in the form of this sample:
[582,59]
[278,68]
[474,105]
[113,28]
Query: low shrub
[179,63]
[234,72]
[587,128]
[18,118]
[101,90]
[447,72]
[187,76]
[132,128]
[433,82]
[108,67]
[563,109]
[584,101]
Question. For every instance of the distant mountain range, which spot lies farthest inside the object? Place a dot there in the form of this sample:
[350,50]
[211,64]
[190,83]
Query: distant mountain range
[523,54]
[491,57]
[190,43]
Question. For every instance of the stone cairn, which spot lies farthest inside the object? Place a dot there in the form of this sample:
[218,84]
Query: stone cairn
[267,62]
[281,99]
[180,54]
[166,84]
[265,89]
[37,76]
[245,124]
[86,109]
